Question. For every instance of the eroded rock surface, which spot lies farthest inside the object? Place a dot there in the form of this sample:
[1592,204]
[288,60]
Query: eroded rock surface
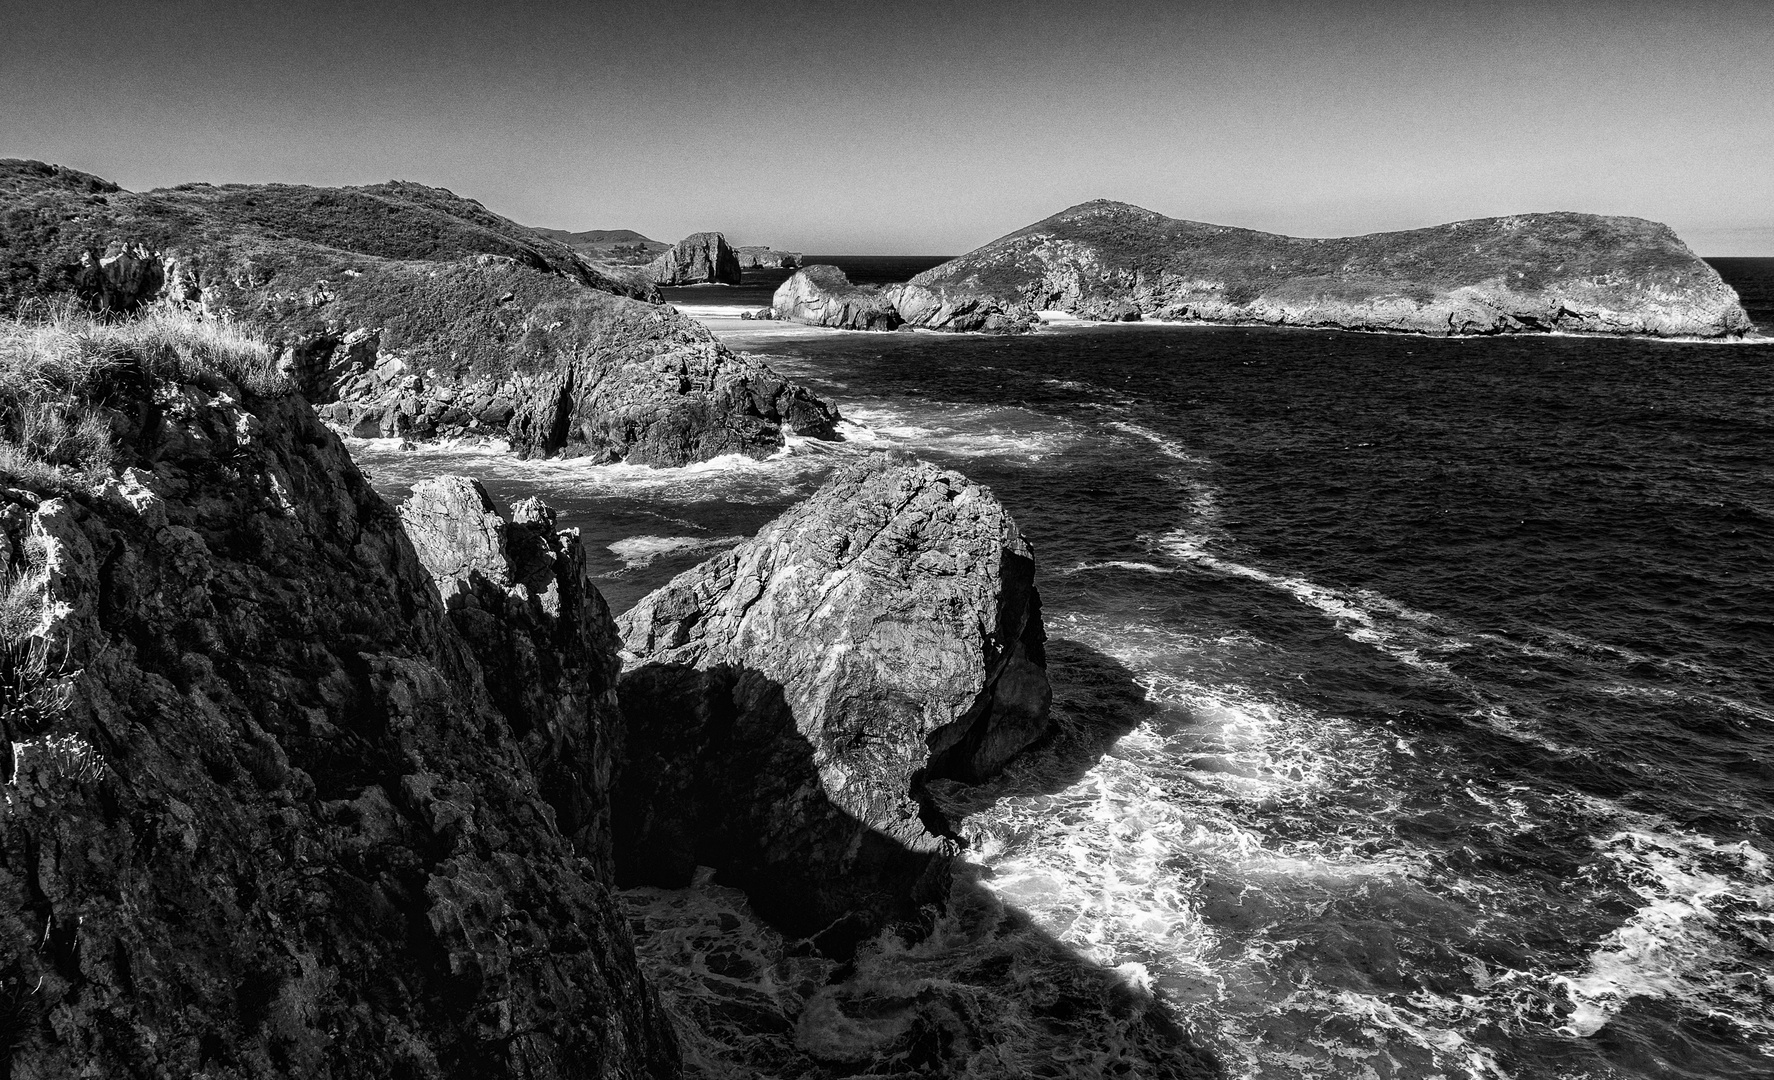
[609,379]
[301,800]
[697,259]
[1528,273]
[786,701]
[823,296]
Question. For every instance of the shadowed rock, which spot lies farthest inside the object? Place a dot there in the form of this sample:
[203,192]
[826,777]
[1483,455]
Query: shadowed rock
[291,815]
[787,701]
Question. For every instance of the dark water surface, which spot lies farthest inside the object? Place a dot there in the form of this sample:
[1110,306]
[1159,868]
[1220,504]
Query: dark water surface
[1456,751]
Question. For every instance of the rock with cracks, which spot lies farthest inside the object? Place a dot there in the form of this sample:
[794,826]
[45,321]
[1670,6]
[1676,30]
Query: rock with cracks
[786,702]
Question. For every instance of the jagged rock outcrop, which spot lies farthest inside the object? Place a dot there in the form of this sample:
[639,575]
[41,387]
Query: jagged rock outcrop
[766,258]
[301,791]
[605,378]
[1565,272]
[697,259]
[786,701]
[823,296]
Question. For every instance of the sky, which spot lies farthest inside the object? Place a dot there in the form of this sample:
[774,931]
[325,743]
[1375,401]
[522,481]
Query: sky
[899,126]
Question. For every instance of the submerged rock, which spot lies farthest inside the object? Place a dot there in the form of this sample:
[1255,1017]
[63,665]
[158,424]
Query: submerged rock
[1575,273]
[786,701]
[824,296]
[697,259]
[309,793]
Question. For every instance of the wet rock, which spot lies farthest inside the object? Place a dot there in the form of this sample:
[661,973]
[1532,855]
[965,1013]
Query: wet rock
[785,702]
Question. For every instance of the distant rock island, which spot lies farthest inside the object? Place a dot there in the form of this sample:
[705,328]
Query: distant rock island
[766,258]
[405,310]
[1564,272]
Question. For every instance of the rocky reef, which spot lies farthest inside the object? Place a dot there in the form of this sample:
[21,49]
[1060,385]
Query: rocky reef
[823,296]
[765,258]
[787,701]
[407,311]
[299,785]
[1564,272]
[698,259]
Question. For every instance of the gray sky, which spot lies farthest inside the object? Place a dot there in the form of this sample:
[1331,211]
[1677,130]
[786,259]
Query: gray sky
[926,127]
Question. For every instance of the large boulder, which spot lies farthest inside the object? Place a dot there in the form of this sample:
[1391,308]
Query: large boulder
[697,259]
[786,702]
[822,295]
[295,790]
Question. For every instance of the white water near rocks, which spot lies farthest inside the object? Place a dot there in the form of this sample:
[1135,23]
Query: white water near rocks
[1364,822]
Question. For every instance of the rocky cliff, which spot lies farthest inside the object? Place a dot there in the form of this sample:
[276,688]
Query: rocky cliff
[697,259]
[765,258]
[787,701]
[408,311]
[294,788]
[587,375]
[1566,272]
[823,296]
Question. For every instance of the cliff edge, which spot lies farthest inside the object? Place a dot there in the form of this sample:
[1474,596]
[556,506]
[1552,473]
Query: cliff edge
[293,788]
[1563,272]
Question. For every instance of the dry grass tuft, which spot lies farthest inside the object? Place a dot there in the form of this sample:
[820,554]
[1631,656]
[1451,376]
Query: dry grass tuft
[62,373]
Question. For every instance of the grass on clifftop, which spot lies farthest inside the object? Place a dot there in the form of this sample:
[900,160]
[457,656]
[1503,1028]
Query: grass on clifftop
[66,378]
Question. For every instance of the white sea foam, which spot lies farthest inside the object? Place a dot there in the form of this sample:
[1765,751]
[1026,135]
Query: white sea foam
[640,551]
[1404,634]
[1702,935]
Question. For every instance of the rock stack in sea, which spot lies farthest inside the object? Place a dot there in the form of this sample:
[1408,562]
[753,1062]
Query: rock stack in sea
[786,701]
[698,259]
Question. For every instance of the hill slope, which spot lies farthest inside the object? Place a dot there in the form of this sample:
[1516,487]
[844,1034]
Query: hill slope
[1571,272]
[407,310]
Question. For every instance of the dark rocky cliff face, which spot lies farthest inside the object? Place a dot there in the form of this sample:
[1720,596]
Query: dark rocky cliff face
[300,791]
[1575,273]
[786,702]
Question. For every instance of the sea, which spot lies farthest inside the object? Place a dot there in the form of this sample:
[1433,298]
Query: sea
[1418,694]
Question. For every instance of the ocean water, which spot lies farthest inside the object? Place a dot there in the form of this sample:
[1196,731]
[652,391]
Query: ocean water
[1419,694]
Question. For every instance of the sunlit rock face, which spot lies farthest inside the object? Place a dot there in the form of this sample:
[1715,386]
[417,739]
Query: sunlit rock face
[786,701]
[698,259]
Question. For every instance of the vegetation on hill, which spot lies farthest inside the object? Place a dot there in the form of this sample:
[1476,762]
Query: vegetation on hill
[1562,270]
[244,239]
[619,247]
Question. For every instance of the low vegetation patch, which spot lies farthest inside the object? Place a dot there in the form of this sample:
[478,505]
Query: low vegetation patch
[68,379]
